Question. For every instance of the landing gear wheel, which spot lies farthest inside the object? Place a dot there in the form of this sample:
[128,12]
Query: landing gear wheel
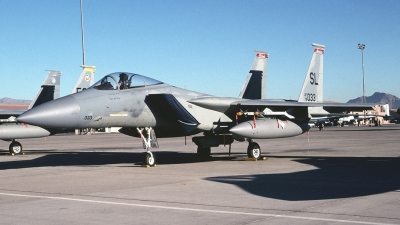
[83,131]
[203,152]
[150,160]
[15,148]
[253,151]
[320,126]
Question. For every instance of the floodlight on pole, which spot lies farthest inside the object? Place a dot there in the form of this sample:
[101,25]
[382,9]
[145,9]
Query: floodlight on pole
[362,47]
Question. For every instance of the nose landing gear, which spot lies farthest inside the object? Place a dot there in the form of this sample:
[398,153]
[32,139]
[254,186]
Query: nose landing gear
[150,141]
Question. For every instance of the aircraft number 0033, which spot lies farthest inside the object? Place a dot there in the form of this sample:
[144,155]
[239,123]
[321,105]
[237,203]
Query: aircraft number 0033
[310,97]
[88,117]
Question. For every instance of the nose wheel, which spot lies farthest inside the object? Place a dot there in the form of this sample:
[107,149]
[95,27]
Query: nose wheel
[150,160]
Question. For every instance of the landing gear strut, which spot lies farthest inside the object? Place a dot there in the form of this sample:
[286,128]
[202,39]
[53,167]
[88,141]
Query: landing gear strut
[206,142]
[15,147]
[147,143]
[320,126]
[253,150]
[203,152]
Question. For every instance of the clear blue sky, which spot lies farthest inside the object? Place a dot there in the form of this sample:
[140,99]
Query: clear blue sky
[206,45]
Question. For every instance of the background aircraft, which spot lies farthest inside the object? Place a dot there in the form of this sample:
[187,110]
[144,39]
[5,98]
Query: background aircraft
[312,90]
[10,130]
[49,90]
[85,80]
[149,108]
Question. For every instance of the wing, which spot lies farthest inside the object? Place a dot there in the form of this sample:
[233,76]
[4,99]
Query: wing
[9,113]
[274,108]
[286,105]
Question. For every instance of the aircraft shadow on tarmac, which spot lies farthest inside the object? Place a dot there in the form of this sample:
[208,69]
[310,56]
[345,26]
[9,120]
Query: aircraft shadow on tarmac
[334,178]
[76,158]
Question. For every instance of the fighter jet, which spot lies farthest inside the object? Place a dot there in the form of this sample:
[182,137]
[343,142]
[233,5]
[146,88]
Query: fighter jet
[312,90]
[152,109]
[10,129]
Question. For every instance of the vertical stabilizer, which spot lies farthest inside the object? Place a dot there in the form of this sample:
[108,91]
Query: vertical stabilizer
[312,90]
[387,109]
[49,90]
[255,84]
[85,80]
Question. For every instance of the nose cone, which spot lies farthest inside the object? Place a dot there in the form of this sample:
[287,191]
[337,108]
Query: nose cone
[60,113]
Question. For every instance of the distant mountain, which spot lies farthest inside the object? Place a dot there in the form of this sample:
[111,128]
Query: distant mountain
[380,98]
[10,101]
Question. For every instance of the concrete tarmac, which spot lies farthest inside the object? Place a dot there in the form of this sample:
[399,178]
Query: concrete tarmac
[348,175]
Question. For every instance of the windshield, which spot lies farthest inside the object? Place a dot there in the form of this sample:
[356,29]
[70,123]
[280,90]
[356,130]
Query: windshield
[121,81]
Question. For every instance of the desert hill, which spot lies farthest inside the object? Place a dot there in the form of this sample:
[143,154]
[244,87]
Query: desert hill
[380,98]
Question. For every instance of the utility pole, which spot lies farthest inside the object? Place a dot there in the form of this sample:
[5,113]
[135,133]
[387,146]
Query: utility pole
[362,47]
[83,35]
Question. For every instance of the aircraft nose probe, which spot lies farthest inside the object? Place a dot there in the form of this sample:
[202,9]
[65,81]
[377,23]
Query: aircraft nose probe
[60,113]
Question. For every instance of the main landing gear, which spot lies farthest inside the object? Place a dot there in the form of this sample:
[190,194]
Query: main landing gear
[150,141]
[253,150]
[205,143]
[15,147]
[203,152]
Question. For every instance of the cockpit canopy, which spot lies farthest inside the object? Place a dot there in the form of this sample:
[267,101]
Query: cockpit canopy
[119,81]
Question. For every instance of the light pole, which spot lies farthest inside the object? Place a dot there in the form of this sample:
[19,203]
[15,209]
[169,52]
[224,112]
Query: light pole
[362,46]
[83,35]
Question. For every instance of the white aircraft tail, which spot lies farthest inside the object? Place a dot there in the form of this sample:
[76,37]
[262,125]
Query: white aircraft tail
[254,86]
[49,90]
[85,80]
[387,109]
[312,90]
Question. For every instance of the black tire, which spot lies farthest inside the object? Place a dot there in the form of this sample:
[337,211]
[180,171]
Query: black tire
[84,131]
[254,150]
[15,148]
[150,160]
[203,152]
